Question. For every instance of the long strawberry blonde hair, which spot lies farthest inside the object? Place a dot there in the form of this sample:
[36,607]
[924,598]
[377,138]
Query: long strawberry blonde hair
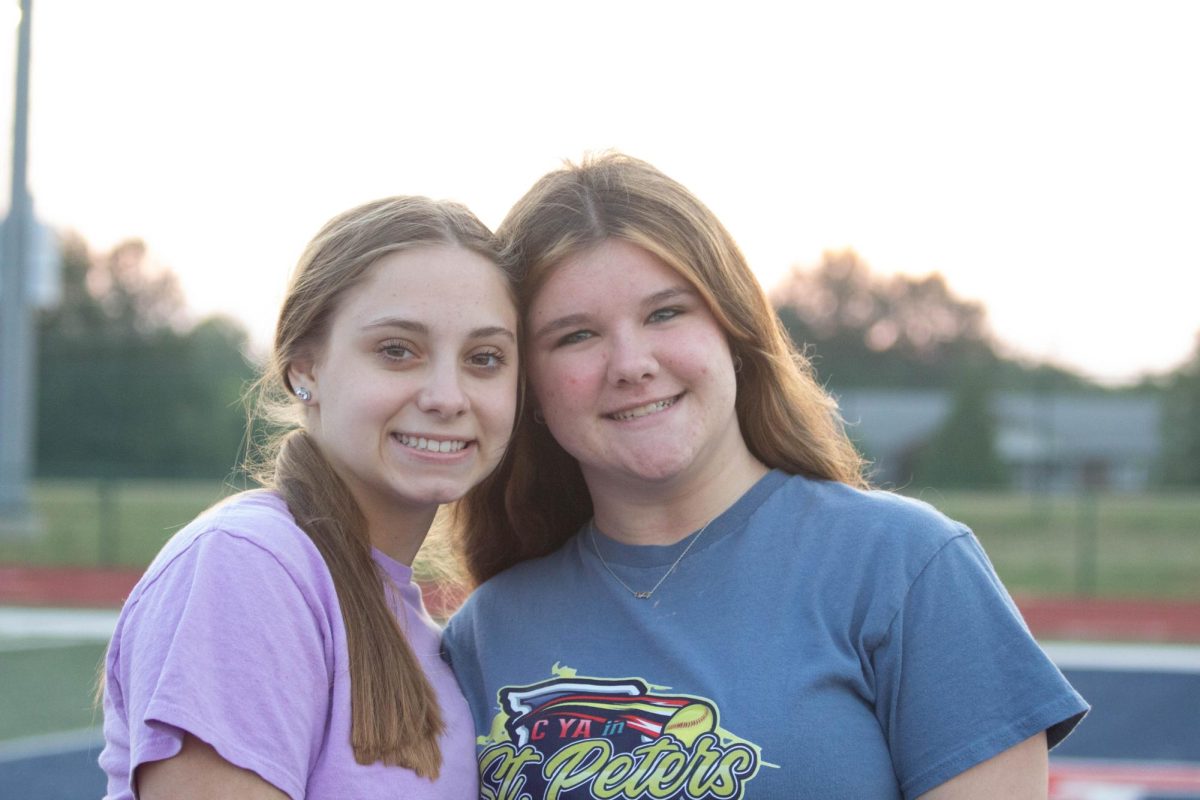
[537,498]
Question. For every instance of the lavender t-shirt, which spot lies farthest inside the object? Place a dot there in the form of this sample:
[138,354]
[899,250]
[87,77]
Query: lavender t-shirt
[235,635]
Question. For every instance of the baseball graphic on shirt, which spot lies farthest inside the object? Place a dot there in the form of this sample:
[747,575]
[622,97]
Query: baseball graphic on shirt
[612,737]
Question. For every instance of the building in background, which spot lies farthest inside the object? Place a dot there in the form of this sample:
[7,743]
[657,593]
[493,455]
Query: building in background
[1057,442]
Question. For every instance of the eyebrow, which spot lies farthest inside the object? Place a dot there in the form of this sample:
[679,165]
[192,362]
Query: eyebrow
[668,294]
[420,327]
[571,320]
[493,330]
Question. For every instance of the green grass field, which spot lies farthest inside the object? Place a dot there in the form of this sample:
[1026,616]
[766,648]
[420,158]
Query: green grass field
[48,687]
[114,523]
[1110,545]
[1113,545]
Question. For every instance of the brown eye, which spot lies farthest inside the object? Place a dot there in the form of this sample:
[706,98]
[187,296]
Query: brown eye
[396,351]
[488,359]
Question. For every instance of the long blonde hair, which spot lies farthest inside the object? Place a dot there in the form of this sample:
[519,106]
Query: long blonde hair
[395,717]
[537,498]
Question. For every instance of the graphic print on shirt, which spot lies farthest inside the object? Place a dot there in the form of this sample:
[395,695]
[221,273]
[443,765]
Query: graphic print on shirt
[576,738]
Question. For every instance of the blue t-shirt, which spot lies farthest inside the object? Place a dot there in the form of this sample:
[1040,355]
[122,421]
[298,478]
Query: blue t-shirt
[817,642]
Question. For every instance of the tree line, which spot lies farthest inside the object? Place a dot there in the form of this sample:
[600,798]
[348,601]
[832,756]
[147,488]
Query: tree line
[866,330]
[129,387]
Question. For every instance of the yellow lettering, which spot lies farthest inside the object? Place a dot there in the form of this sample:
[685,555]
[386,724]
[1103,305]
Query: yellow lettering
[704,762]
[719,773]
[502,766]
[659,770]
[571,767]
[667,779]
[612,776]
[648,774]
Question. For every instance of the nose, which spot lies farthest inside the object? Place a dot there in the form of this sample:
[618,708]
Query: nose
[443,392]
[631,359]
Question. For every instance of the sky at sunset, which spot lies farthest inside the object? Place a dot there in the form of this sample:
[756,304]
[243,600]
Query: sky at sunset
[1042,156]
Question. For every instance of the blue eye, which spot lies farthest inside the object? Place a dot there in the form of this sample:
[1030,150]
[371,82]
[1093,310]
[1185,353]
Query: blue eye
[574,337]
[664,314]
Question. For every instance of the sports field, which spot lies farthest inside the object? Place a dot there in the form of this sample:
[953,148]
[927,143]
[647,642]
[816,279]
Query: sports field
[48,685]
[1132,546]
[1140,742]
[1126,545]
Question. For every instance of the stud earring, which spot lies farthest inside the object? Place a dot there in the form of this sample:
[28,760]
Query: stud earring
[304,394]
[537,417]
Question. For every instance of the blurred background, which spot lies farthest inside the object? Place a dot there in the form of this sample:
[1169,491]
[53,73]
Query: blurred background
[979,221]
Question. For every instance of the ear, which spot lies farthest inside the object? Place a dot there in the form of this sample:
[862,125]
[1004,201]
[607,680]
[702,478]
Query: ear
[302,375]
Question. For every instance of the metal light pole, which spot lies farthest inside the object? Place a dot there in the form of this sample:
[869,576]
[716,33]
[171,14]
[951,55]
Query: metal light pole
[16,316]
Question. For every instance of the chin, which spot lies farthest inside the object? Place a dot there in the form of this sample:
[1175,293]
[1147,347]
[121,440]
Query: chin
[663,471]
[438,495]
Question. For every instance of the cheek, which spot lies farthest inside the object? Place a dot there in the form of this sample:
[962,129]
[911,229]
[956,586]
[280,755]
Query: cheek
[546,382]
[563,392]
[566,383]
[706,357]
[547,400]
[501,403]
[373,398]
[363,401]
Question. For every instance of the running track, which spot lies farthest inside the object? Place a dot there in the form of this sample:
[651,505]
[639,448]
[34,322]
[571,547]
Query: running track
[1140,742]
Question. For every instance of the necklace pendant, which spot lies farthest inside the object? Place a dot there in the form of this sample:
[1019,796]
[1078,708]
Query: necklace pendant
[636,594]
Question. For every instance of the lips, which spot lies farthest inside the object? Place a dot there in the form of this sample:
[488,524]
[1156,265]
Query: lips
[645,410]
[431,445]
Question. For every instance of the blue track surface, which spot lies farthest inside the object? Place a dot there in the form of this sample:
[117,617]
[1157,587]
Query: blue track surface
[71,775]
[1144,716]
[1139,716]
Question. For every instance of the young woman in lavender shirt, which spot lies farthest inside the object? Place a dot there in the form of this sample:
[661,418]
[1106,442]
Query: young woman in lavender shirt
[277,646]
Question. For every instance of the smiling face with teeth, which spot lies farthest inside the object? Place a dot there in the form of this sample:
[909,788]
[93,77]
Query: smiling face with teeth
[633,374]
[414,390]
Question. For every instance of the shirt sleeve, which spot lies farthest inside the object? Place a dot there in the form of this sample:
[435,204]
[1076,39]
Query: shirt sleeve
[959,678]
[226,645]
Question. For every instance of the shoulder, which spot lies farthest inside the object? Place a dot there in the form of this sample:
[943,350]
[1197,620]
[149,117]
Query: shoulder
[869,543]
[869,517]
[243,565]
[259,516]
[250,532]
[522,589]
[530,578]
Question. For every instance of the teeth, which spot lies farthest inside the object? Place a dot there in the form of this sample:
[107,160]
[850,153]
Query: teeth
[430,445]
[641,411]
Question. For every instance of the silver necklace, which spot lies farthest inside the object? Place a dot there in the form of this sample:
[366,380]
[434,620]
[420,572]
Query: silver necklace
[667,574]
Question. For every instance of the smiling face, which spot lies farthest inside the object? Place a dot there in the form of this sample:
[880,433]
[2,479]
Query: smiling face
[415,388]
[632,373]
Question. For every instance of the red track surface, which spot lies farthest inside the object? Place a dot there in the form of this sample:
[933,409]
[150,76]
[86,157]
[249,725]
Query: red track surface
[65,586]
[1076,780]
[1048,617]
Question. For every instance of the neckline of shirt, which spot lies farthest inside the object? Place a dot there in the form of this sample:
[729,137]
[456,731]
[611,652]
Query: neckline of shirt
[652,555]
[398,571]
